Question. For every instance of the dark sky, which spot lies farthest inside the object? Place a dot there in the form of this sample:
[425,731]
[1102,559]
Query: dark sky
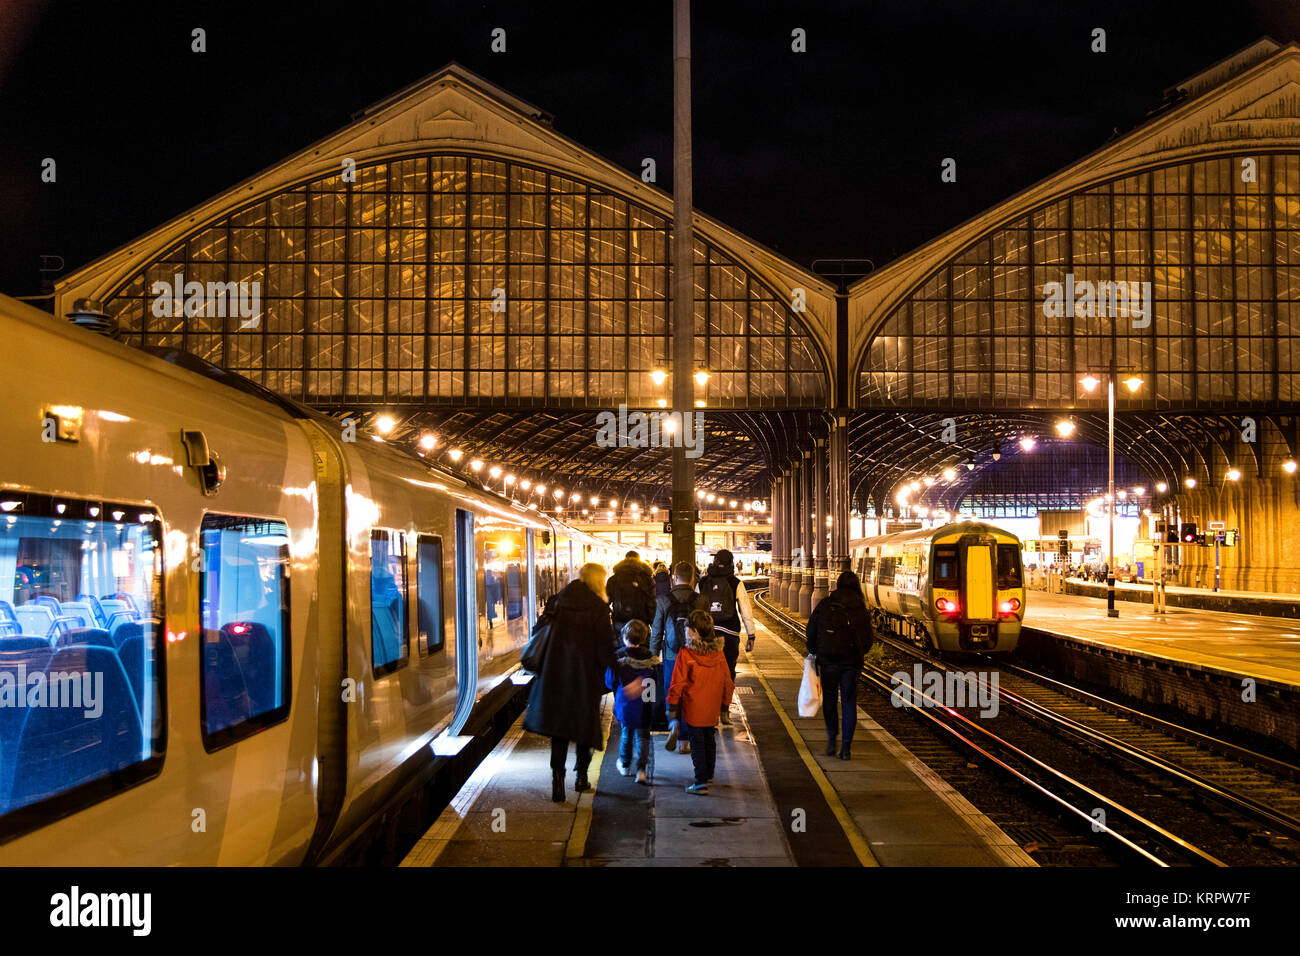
[833,152]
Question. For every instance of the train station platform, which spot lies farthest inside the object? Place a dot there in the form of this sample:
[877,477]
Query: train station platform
[1266,603]
[776,799]
[1218,642]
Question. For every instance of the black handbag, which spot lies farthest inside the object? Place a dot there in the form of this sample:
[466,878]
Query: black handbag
[534,655]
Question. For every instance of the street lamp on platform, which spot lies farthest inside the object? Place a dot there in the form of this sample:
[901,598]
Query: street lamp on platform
[1090,383]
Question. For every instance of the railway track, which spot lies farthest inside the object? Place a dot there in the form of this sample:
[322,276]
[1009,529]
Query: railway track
[1172,800]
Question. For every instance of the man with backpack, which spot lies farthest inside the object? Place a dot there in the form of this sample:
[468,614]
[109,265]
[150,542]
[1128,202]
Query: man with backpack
[631,590]
[839,636]
[668,634]
[726,599]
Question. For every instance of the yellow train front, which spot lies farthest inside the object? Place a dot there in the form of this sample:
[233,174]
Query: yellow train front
[959,587]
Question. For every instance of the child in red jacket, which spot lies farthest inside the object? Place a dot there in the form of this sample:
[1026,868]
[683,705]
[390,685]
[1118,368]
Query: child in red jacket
[701,688]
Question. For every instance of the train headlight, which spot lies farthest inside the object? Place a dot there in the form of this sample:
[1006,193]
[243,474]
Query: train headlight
[946,605]
[1010,606]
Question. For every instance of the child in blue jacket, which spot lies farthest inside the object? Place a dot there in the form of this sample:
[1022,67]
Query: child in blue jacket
[636,680]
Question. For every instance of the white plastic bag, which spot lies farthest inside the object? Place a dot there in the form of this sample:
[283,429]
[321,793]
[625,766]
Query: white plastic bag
[810,691]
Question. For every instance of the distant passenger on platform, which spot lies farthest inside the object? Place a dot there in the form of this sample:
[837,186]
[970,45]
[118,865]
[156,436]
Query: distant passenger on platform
[636,680]
[839,636]
[726,599]
[668,635]
[701,690]
[564,703]
[663,581]
[631,590]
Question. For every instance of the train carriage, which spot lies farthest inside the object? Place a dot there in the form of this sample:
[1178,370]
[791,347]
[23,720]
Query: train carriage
[959,587]
[227,635]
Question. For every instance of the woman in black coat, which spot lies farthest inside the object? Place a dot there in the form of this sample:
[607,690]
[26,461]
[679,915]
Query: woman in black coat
[839,636]
[564,703]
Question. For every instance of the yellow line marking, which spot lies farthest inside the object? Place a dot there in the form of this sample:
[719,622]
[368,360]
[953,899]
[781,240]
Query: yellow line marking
[832,798]
[577,844]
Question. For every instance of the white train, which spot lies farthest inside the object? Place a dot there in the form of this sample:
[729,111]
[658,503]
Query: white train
[227,636]
[959,587]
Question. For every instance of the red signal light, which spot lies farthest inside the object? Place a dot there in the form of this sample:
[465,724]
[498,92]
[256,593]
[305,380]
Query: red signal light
[239,629]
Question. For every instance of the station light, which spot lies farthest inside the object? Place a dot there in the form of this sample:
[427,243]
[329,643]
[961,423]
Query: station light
[1121,494]
[699,403]
[654,509]
[1289,467]
[558,493]
[1065,428]
[613,502]
[456,454]
[1190,482]
[1133,383]
[427,441]
[494,471]
[949,474]
[576,496]
[635,506]
[1027,443]
[1139,491]
[595,501]
[710,497]
[540,489]
[385,424]
[658,376]
[702,378]
[699,494]
[915,486]
[510,479]
[585,511]
[749,506]
[970,466]
[525,484]
[476,464]
[929,482]
[1090,382]
[1161,487]
[662,403]
[669,426]
[733,503]
[1234,474]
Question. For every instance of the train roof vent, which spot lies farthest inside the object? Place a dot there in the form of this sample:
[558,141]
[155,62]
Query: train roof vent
[89,314]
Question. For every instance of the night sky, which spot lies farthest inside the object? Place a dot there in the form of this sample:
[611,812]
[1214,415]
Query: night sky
[830,153]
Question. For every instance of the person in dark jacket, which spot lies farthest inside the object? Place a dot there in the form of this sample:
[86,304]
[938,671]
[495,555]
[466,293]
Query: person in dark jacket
[839,636]
[726,599]
[564,703]
[635,679]
[663,581]
[668,634]
[631,590]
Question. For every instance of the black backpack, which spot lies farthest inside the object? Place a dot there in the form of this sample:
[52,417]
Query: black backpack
[836,640]
[629,600]
[675,625]
[719,597]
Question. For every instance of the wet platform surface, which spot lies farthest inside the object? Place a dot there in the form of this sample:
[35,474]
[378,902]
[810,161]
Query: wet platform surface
[776,799]
[1246,645]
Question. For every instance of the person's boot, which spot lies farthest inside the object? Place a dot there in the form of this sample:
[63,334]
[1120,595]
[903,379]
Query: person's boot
[844,752]
[830,747]
[557,786]
[582,784]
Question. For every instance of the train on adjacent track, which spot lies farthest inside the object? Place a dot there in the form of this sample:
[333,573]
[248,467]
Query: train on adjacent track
[227,634]
[959,587]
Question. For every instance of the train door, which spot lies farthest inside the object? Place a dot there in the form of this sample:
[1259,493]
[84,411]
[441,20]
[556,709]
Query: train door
[466,621]
[532,580]
[979,562]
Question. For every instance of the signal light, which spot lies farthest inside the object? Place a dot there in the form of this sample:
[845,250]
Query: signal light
[1189,533]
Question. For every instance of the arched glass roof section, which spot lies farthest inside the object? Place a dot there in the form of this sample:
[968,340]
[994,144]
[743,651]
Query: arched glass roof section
[1209,252]
[469,280]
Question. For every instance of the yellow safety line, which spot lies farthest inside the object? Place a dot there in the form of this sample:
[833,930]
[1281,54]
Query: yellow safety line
[850,829]
[577,844]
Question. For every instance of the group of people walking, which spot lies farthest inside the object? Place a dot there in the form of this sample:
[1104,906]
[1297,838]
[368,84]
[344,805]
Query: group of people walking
[659,639]
[665,644]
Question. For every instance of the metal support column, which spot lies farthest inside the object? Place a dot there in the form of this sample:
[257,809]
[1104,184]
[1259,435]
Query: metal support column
[840,504]
[806,522]
[820,528]
[683,502]
[790,594]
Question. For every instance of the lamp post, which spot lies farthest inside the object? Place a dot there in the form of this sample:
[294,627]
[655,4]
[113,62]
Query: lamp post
[1090,383]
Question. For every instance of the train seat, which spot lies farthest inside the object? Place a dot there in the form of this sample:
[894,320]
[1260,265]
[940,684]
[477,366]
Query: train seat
[125,630]
[111,607]
[131,653]
[95,606]
[36,619]
[92,636]
[225,691]
[255,651]
[61,747]
[7,613]
[46,600]
[82,611]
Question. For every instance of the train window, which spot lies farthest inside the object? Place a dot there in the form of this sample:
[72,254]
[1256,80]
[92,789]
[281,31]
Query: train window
[244,608]
[428,594]
[81,691]
[389,634]
[544,558]
[945,568]
[886,573]
[1009,575]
